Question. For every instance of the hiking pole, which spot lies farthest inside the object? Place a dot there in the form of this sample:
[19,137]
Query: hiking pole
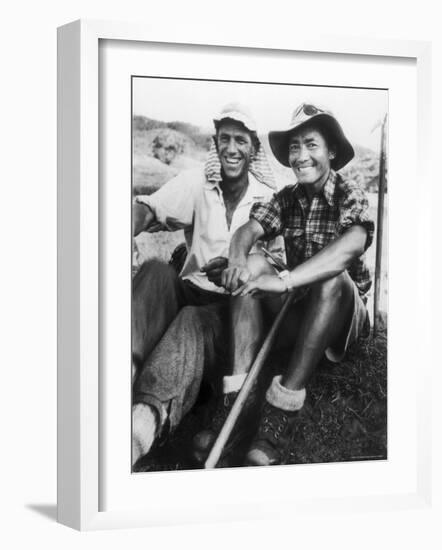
[380,232]
[229,424]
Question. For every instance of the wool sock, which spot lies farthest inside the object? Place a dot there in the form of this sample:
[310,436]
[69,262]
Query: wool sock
[283,398]
[145,425]
[233,382]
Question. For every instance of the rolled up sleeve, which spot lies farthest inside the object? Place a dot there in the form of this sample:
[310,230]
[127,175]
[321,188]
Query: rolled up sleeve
[174,204]
[268,215]
[355,210]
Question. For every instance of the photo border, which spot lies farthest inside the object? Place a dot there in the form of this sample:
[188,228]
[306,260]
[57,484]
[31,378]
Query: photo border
[79,263]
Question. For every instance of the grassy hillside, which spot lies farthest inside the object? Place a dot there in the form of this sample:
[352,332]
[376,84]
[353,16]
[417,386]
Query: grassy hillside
[188,142]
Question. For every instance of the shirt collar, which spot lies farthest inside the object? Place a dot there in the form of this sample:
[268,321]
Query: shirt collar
[328,189]
[255,190]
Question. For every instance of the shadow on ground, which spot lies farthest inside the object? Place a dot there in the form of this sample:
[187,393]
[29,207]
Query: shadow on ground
[49,511]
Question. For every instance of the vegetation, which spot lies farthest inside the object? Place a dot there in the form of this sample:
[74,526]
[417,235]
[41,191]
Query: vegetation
[153,137]
[344,418]
[190,133]
[364,168]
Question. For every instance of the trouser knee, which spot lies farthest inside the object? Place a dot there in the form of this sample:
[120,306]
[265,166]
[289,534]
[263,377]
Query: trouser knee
[209,321]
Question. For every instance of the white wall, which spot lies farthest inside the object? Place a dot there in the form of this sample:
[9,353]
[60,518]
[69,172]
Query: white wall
[28,276]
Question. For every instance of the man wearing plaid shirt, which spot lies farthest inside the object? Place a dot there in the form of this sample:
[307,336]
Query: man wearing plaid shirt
[326,226]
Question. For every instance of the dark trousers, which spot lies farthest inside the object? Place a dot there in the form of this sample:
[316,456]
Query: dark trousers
[178,335]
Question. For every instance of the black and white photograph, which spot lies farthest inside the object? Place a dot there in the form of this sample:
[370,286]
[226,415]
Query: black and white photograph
[259,274]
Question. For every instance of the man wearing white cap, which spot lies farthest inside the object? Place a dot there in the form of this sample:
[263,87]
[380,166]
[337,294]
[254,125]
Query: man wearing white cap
[178,323]
[326,226]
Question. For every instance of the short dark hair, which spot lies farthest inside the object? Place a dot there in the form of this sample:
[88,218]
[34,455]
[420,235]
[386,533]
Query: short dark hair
[325,132]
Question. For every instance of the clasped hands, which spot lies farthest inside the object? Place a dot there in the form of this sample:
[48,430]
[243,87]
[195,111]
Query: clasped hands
[237,279]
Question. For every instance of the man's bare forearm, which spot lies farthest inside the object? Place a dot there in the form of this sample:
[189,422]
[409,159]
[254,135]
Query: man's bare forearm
[142,218]
[332,260]
[242,242]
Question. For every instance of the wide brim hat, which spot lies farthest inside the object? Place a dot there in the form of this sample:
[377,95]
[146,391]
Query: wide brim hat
[305,115]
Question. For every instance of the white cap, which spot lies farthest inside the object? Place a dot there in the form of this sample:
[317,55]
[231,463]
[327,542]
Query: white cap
[238,112]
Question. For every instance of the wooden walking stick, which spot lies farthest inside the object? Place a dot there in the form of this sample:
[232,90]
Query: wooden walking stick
[380,232]
[229,424]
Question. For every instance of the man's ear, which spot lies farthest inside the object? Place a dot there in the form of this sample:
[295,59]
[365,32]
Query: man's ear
[332,154]
[254,151]
[256,145]
[215,141]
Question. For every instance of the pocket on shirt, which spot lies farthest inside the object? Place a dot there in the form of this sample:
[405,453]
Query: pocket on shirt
[292,232]
[320,240]
[294,239]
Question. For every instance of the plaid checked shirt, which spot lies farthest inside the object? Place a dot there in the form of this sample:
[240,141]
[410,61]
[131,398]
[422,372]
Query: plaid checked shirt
[307,228]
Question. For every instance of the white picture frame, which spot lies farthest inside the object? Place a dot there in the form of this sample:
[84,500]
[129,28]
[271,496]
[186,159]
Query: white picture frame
[79,292]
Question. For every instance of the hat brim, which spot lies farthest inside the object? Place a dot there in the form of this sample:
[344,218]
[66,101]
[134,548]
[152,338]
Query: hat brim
[279,140]
[248,124]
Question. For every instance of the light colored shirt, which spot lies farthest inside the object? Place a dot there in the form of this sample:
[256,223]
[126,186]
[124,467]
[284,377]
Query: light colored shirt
[191,202]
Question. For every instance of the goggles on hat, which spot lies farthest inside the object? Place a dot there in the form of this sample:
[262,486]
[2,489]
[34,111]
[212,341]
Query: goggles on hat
[308,109]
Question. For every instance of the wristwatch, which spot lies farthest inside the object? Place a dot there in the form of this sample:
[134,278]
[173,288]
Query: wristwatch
[284,276]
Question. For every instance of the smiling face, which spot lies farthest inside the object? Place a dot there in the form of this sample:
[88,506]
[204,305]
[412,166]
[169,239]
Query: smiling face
[309,157]
[235,148]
